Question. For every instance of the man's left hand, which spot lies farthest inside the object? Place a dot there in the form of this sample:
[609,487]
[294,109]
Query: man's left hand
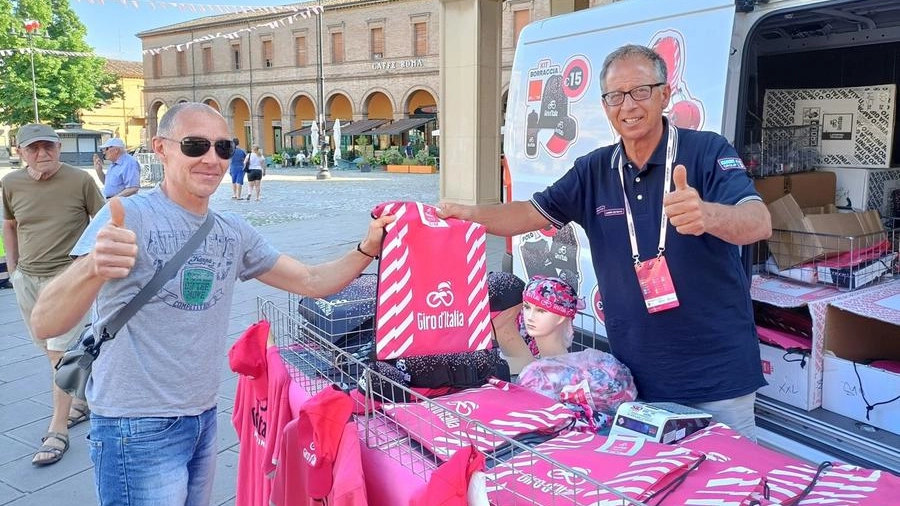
[683,206]
[372,243]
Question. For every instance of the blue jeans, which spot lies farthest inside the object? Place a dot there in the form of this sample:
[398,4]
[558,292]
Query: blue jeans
[154,461]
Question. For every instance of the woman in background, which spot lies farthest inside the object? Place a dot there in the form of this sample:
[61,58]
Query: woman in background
[256,172]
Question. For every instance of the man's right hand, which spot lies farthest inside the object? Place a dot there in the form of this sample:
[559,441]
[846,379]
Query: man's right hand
[116,249]
[454,210]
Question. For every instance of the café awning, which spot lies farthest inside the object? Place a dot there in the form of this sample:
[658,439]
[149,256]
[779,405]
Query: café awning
[400,126]
[362,126]
[307,130]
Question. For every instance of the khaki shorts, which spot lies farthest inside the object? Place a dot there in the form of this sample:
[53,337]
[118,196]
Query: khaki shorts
[27,289]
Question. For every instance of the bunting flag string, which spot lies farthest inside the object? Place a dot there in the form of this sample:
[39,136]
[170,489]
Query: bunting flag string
[303,12]
[52,52]
[195,7]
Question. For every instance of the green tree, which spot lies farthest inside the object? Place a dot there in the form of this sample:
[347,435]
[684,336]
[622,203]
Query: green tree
[65,84]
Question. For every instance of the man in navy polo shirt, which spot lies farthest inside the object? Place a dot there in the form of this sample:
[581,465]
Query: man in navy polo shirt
[681,320]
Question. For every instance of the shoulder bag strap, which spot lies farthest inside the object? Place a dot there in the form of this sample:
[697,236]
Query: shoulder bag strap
[159,279]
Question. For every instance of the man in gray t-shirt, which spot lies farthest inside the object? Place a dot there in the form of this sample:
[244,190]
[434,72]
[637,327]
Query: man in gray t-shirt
[153,388]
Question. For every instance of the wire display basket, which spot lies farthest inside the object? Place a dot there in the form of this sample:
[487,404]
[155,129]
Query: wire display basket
[316,362]
[786,150]
[844,262]
[151,168]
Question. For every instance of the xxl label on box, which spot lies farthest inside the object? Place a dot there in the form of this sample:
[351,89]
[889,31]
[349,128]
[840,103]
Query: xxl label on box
[857,124]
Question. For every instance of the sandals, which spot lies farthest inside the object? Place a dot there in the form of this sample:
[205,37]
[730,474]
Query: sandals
[55,452]
[83,414]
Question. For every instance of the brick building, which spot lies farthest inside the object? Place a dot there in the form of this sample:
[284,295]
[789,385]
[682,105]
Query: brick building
[259,69]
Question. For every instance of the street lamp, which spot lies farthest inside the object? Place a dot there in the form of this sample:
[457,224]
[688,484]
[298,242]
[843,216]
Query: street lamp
[320,84]
[31,27]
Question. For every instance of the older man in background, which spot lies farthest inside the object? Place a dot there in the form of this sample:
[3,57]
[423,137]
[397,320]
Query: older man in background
[46,207]
[123,178]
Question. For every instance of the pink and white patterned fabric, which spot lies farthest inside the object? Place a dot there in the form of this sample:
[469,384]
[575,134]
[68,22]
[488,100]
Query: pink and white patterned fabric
[838,484]
[758,476]
[634,467]
[446,424]
[721,443]
[432,289]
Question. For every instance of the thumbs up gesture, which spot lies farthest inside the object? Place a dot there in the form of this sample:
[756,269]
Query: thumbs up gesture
[683,206]
[115,250]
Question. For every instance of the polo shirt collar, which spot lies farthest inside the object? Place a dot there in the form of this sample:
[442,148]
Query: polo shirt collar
[659,154]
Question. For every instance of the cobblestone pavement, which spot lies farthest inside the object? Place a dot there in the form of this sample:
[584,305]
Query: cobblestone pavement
[295,194]
[312,220]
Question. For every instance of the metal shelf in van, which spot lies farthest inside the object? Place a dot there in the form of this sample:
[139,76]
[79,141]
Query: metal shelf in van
[828,433]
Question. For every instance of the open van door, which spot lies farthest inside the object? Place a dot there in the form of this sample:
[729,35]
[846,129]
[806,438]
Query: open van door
[554,110]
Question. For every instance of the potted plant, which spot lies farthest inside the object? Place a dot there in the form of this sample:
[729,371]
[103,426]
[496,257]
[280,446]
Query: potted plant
[278,160]
[423,157]
[393,160]
[371,163]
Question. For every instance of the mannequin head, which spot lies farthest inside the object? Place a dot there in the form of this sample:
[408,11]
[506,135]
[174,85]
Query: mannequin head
[549,306]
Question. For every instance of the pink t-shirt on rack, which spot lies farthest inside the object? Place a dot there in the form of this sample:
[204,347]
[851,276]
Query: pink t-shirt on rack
[349,487]
[260,423]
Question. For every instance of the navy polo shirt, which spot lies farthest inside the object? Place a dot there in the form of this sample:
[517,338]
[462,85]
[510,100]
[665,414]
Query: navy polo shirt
[706,349]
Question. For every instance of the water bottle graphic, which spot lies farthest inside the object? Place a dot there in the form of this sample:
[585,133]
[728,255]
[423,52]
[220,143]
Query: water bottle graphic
[531,132]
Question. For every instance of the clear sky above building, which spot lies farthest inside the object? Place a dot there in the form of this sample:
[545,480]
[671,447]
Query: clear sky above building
[112,24]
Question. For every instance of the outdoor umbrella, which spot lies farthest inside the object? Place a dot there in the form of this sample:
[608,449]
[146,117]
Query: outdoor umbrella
[337,139]
[314,133]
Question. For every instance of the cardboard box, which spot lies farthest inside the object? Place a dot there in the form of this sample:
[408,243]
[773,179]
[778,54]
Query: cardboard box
[858,276]
[857,124]
[789,382]
[787,375]
[810,189]
[862,327]
[799,238]
[863,189]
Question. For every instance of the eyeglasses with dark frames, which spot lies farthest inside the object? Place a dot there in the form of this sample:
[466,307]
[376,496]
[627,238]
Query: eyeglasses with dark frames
[638,94]
[195,147]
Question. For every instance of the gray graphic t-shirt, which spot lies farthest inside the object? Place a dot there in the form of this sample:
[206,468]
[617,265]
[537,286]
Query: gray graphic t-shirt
[166,360]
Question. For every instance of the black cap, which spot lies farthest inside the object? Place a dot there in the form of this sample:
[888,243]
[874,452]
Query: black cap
[504,290]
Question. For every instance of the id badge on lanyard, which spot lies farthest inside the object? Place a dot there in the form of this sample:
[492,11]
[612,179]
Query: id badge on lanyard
[653,275]
[656,284]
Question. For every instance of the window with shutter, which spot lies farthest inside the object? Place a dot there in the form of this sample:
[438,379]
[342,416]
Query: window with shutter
[420,41]
[236,56]
[181,62]
[207,60]
[377,36]
[337,47]
[267,53]
[157,66]
[520,19]
[302,58]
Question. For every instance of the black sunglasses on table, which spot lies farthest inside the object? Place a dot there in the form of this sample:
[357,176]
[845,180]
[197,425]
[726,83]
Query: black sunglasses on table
[196,147]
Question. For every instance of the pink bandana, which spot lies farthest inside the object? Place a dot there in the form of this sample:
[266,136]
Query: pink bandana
[552,294]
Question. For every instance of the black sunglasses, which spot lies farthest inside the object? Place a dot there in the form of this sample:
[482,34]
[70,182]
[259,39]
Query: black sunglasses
[196,147]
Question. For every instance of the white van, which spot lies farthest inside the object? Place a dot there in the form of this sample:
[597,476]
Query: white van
[722,56]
